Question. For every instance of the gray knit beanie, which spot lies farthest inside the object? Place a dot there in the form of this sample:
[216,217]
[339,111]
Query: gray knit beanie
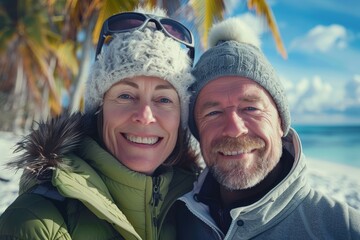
[140,53]
[234,51]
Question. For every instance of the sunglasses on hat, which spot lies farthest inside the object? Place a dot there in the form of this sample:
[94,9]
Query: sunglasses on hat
[130,21]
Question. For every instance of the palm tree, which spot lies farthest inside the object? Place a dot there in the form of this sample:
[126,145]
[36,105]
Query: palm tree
[29,62]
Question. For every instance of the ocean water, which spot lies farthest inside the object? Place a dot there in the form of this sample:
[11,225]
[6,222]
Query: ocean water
[338,144]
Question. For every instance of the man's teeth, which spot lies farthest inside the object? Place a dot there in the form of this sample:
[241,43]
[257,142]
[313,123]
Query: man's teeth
[142,140]
[233,153]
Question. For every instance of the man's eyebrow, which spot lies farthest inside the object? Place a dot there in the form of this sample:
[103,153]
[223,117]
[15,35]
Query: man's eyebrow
[248,99]
[209,104]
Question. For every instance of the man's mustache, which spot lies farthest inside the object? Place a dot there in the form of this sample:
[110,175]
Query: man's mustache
[243,143]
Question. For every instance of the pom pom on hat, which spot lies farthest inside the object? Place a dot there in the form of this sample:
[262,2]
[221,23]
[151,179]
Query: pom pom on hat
[235,51]
[233,29]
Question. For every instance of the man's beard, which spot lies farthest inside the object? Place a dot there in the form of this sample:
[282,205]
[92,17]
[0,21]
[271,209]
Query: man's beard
[236,174]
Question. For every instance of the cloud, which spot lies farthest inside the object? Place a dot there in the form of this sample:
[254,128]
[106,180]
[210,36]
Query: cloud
[322,39]
[353,91]
[289,86]
[352,97]
[314,95]
[315,100]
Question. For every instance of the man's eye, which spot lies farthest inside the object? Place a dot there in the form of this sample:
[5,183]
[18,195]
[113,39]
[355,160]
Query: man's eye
[251,109]
[165,100]
[213,113]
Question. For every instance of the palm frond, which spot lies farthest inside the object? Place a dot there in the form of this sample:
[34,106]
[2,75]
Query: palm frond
[207,12]
[262,9]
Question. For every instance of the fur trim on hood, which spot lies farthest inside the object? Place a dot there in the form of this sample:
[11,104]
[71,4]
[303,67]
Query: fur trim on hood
[44,148]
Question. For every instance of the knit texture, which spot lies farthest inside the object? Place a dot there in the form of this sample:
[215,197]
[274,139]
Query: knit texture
[234,58]
[140,53]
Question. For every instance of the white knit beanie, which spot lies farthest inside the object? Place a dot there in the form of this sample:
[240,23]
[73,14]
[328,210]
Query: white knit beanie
[140,53]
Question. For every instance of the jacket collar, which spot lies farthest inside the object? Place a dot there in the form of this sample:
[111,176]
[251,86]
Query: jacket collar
[273,203]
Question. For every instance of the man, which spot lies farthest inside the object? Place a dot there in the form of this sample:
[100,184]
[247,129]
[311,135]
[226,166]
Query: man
[254,186]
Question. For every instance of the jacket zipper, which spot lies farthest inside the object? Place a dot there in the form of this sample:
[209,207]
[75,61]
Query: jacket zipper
[202,218]
[156,198]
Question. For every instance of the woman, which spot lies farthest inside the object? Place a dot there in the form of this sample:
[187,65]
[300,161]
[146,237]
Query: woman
[114,172]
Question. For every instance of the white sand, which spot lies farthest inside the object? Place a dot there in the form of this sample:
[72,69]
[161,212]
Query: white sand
[8,190]
[336,180]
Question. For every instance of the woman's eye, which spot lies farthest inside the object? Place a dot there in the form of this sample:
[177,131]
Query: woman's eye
[124,96]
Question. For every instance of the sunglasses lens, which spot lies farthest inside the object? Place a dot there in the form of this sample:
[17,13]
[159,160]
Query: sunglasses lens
[177,30]
[126,21]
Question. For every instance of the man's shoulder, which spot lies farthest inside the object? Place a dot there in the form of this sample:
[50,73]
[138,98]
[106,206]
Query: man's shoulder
[323,202]
[324,209]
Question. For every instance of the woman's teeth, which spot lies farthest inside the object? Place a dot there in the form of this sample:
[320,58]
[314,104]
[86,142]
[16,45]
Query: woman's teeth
[142,140]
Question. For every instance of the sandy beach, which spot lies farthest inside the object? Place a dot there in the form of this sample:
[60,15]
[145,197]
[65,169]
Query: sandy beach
[341,182]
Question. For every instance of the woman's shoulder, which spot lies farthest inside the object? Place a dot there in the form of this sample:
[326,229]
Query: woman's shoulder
[33,216]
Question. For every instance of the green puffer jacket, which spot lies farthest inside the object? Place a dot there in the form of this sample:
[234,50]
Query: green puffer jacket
[99,197]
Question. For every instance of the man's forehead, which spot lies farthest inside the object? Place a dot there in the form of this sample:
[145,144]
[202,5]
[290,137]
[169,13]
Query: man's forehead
[232,85]
[243,89]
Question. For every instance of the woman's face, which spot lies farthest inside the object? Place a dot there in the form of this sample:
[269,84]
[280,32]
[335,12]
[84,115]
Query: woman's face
[141,118]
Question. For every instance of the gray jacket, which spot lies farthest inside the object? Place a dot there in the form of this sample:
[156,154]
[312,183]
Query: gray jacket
[292,210]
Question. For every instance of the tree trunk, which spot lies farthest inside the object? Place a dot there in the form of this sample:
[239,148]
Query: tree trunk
[19,99]
[85,62]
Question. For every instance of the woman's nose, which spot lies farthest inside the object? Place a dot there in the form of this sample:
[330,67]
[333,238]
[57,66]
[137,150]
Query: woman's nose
[144,115]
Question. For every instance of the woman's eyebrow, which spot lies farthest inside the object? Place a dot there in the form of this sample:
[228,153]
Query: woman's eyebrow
[158,87]
[164,86]
[130,83]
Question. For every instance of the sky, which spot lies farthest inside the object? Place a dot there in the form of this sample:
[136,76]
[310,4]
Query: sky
[322,72]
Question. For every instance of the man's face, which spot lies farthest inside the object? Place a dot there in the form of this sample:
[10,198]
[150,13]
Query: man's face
[240,131]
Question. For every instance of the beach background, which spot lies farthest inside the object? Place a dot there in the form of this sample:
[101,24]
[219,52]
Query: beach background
[333,160]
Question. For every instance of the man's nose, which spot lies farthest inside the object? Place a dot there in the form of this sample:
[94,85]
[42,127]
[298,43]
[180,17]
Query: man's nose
[234,125]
